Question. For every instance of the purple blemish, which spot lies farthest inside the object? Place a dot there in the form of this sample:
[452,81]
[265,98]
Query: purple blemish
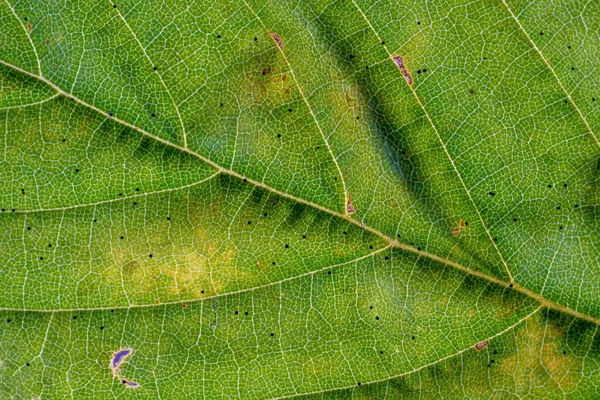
[119,356]
[350,208]
[482,345]
[130,383]
[277,40]
[400,63]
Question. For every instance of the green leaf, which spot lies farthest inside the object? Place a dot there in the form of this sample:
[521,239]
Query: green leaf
[273,199]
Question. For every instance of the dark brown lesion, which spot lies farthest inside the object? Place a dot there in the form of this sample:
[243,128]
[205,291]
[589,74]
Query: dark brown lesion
[277,39]
[400,64]
[481,345]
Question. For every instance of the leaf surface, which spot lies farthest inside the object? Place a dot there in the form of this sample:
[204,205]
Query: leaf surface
[272,199]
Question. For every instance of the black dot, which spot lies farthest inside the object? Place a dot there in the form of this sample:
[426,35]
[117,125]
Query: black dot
[110,114]
[289,110]
[137,189]
[345,233]
[101,328]
[367,67]
[74,316]
[287,246]
[23,191]
[249,222]
[28,228]
[572,68]
[265,214]
[168,218]
[13,210]
[273,263]
[150,255]
[491,361]
[560,227]
[566,101]
[495,239]
[370,307]
[558,208]
[418,248]
[255,39]
[8,320]
[112,311]
[122,238]
[236,313]
[492,193]
[124,381]
[153,115]
[328,272]
[541,33]
[49,245]
[387,258]
[28,364]
[593,99]
[278,135]
[135,203]
[64,140]
[380,351]
[303,236]
[418,23]
[357,117]
[358,383]
[514,219]
[424,69]
[120,194]
[549,186]
[76,169]
[351,56]
[41,258]
[576,206]
[245,180]
[114,6]
[246,313]
[510,286]
[3,210]
[272,334]
[202,291]
[413,338]
[569,47]
[382,42]
[564,352]
[25,18]
[418,71]
[218,36]
[220,104]
[377,318]
[489,365]
[565,185]
[495,352]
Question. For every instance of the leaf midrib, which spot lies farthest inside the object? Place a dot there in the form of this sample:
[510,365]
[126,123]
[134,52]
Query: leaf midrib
[392,242]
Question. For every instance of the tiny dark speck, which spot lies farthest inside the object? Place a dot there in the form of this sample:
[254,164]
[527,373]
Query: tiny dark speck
[278,135]
[371,247]
[382,42]
[511,285]
[218,36]
[8,320]
[564,352]
[95,220]
[114,6]
[541,33]
[418,23]
[236,313]
[358,383]
[249,222]
[135,203]
[328,272]
[150,255]
[255,39]
[28,364]
[245,180]
[576,206]
[572,68]
[110,114]
[377,318]
[272,334]
[74,316]
[287,246]
[413,338]
[77,170]
[492,193]
[41,258]
[246,313]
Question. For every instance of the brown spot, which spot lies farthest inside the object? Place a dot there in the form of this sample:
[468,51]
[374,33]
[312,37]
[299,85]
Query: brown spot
[277,40]
[455,231]
[284,78]
[462,223]
[481,345]
[349,207]
[471,91]
[266,71]
[184,306]
[47,42]
[400,64]
[29,27]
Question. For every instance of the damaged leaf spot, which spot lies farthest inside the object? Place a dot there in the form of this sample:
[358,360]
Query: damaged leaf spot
[481,345]
[117,359]
[400,64]
[277,39]
[349,207]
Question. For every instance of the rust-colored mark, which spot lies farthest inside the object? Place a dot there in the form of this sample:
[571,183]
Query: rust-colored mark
[349,207]
[400,64]
[455,231]
[481,345]
[277,39]
[29,27]
[462,223]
